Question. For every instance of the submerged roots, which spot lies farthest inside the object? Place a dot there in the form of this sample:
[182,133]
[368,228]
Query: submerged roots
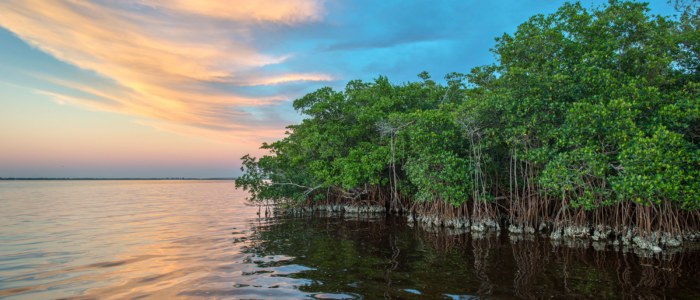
[602,227]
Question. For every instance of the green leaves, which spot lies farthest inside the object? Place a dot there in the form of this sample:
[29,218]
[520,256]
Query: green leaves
[662,166]
[579,176]
[588,107]
[437,159]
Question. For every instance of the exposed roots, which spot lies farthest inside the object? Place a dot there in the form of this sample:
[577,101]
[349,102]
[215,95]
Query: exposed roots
[650,228]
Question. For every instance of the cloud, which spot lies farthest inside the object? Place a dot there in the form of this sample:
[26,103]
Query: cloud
[286,78]
[384,42]
[289,11]
[177,63]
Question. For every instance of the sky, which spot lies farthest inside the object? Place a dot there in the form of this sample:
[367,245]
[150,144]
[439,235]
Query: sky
[147,88]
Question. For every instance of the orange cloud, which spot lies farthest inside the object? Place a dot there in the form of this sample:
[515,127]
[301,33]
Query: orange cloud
[163,68]
[289,11]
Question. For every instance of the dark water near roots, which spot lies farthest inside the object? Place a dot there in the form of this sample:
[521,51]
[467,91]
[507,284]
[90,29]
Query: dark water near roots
[198,239]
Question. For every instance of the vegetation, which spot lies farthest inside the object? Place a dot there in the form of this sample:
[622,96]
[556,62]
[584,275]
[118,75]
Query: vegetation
[589,123]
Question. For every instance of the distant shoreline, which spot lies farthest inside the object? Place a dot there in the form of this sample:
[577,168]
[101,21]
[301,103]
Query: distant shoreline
[89,178]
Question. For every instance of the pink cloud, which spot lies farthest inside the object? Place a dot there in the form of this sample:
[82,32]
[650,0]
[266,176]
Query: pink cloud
[288,12]
[164,67]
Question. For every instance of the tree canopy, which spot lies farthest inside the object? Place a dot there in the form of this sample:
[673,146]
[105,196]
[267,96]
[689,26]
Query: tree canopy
[587,114]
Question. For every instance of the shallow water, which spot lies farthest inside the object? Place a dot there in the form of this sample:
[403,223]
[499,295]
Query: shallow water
[199,239]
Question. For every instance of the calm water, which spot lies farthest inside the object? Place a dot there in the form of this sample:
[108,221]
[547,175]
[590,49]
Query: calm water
[198,239]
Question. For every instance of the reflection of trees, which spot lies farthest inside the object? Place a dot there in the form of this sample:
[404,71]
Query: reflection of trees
[639,275]
[443,240]
[530,261]
[382,257]
[606,274]
[351,255]
[393,263]
[482,247]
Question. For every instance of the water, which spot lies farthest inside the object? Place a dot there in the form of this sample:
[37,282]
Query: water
[199,239]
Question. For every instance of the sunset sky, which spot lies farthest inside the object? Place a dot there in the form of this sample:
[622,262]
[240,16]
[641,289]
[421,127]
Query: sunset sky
[146,88]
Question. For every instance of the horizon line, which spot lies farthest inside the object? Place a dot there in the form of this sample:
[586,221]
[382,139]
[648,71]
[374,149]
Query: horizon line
[116,178]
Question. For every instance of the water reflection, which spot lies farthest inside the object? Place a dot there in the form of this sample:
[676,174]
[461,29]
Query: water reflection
[387,258]
[118,239]
[179,239]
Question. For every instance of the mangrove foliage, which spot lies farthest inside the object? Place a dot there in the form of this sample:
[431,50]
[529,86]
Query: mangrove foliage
[587,124]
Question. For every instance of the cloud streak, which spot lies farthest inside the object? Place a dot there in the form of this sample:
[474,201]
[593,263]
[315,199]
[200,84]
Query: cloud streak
[288,12]
[179,64]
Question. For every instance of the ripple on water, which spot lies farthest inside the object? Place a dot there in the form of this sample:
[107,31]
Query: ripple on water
[199,239]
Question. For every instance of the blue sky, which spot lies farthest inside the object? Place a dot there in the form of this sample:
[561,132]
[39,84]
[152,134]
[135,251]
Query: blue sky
[139,88]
